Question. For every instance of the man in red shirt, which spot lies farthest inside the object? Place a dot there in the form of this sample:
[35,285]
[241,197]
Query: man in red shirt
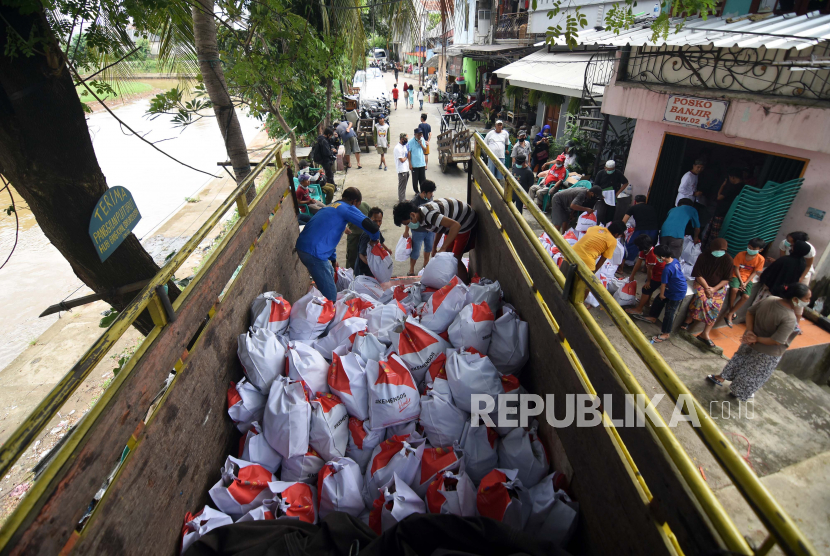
[554,180]
[304,197]
[395,95]
[654,271]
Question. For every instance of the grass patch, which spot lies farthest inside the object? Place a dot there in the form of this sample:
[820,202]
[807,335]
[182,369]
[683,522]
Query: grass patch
[121,88]
[192,199]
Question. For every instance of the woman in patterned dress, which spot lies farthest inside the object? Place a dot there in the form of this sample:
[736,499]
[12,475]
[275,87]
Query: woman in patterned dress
[711,273]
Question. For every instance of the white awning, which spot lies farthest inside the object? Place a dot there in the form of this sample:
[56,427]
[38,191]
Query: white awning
[553,72]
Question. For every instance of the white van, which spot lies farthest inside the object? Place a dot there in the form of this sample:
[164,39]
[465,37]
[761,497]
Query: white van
[379,54]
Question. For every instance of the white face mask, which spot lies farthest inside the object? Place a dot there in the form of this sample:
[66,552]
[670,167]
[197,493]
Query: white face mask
[800,303]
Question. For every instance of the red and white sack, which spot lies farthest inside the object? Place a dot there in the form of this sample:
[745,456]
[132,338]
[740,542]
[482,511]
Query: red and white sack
[395,502]
[418,347]
[366,285]
[329,433]
[404,429]
[368,347]
[198,525]
[502,497]
[343,278]
[399,454]
[348,306]
[383,319]
[473,328]
[452,493]
[287,420]
[435,379]
[403,249]
[627,295]
[340,487]
[553,514]
[246,404]
[440,269]
[471,373]
[270,311]
[570,237]
[347,380]
[294,500]
[433,462]
[442,421]
[586,221]
[511,385]
[310,316]
[267,511]
[480,447]
[380,263]
[255,449]
[341,334]
[393,398]
[262,357]
[509,349]
[485,290]
[522,450]
[243,486]
[362,442]
[304,468]
[305,364]
[443,306]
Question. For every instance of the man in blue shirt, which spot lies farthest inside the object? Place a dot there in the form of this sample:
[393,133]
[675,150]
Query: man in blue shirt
[674,227]
[672,292]
[318,241]
[427,129]
[417,159]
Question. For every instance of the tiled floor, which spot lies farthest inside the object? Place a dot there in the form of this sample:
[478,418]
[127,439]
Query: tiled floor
[729,339]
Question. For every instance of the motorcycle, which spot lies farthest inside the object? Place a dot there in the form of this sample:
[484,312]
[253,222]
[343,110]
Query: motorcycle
[469,111]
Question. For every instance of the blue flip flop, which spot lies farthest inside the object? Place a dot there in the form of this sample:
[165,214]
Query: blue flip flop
[711,378]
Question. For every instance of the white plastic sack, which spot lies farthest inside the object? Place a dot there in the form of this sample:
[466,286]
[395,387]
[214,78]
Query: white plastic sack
[627,295]
[243,486]
[329,433]
[403,429]
[417,346]
[362,442]
[343,278]
[452,493]
[262,357]
[687,270]
[403,249]
[350,305]
[395,502]
[480,446]
[255,449]
[246,404]
[393,398]
[586,221]
[433,462]
[304,468]
[366,285]
[435,379]
[270,311]
[295,500]
[443,306]
[440,269]
[306,365]
[473,328]
[367,346]
[509,349]
[485,290]
[470,373]
[401,455]
[342,334]
[614,284]
[347,380]
[287,419]
[310,316]
[199,525]
[339,487]
[511,385]
[443,423]
[502,497]
[522,450]
[380,263]
[383,319]
[553,514]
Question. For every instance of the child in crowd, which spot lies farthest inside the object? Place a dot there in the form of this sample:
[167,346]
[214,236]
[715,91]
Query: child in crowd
[304,197]
[747,264]
[672,292]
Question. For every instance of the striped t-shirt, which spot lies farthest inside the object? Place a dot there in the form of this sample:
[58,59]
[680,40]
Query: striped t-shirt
[451,208]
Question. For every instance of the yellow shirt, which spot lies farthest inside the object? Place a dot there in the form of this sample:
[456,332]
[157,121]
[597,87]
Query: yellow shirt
[596,241]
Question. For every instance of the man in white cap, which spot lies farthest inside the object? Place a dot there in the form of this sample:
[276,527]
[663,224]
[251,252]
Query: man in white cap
[497,140]
[612,182]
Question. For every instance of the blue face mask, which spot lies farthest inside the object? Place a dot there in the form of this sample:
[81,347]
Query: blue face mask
[413,225]
[610,171]
[787,244]
[660,260]
[718,253]
[752,252]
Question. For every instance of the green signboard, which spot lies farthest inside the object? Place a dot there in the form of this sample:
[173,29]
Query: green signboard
[114,217]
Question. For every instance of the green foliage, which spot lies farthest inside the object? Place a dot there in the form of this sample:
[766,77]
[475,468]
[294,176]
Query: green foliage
[584,149]
[573,105]
[184,112]
[9,210]
[549,99]
[108,317]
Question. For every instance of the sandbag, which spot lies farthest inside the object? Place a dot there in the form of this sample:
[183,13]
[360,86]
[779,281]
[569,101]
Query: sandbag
[403,249]
[627,295]
[417,346]
[310,316]
[246,404]
[383,319]
[347,380]
[502,497]
[243,486]
[523,451]
[586,221]
[343,278]
[287,420]
[442,421]
[470,373]
[295,500]
[393,398]
[553,514]
[380,263]
[255,449]
[485,290]
[262,357]
[198,525]
[395,502]
[342,334]
[339,488]
[433,462]
[306,365]
[440,269]
[508,349]
[366,285]
[435,379]
[452,493]
[473,328]
[443,306]
[399,454]
[271,311]
[480,446]
[362,442]
[304,468]
[329,432]
[367,346]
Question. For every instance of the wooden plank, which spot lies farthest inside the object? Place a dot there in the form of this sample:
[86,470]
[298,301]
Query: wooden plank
[676,504]
[48,526]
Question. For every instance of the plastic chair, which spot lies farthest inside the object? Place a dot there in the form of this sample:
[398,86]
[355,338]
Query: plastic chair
[316,192]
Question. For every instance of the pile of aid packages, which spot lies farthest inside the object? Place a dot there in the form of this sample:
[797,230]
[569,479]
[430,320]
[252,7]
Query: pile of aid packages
[363,406]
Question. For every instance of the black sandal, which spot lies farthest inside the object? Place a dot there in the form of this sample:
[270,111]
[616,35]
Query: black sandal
[712,378]
[685,326]
[706,341]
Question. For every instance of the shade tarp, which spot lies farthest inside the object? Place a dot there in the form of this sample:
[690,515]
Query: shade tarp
[553,72]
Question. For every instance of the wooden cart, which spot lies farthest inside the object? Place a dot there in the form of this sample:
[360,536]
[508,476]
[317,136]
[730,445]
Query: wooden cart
[454,142]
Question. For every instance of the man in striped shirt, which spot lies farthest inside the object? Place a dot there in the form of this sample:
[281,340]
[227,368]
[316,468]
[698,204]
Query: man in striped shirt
[451,217]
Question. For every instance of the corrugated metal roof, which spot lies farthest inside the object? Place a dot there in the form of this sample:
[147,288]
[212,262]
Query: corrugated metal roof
[781,32]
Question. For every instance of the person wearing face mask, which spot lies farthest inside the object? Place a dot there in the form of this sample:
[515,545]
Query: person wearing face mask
[769,332]
[747,264]
[711,273]
[672,292]
[541,149]
[785,270]
[570,154]
[613,183]
[554,179]
[521,149]
[786,247]
[421,238]
[401,154]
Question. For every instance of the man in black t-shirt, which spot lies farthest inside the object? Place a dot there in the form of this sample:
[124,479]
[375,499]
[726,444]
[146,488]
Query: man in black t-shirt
[612,182]
[427,129]
[728,192]
[524,176]
[645,223]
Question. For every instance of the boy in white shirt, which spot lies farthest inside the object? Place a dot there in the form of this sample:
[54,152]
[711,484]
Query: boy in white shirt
[382,131]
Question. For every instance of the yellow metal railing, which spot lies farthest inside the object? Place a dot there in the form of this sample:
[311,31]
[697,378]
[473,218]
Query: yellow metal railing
[778,522]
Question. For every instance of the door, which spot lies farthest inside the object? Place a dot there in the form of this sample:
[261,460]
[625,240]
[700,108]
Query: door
[552,117]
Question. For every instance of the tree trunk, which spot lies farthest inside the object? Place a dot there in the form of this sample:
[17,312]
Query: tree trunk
[329,91]
[274,108]
[213,76]
[46,152]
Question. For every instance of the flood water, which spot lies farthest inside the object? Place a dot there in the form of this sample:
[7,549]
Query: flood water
[38,276]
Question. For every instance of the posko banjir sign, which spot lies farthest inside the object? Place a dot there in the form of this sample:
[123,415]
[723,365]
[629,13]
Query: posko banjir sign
[114,217]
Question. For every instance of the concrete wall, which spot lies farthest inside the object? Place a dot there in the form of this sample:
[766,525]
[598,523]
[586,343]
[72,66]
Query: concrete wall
[460,35]
[594,11]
